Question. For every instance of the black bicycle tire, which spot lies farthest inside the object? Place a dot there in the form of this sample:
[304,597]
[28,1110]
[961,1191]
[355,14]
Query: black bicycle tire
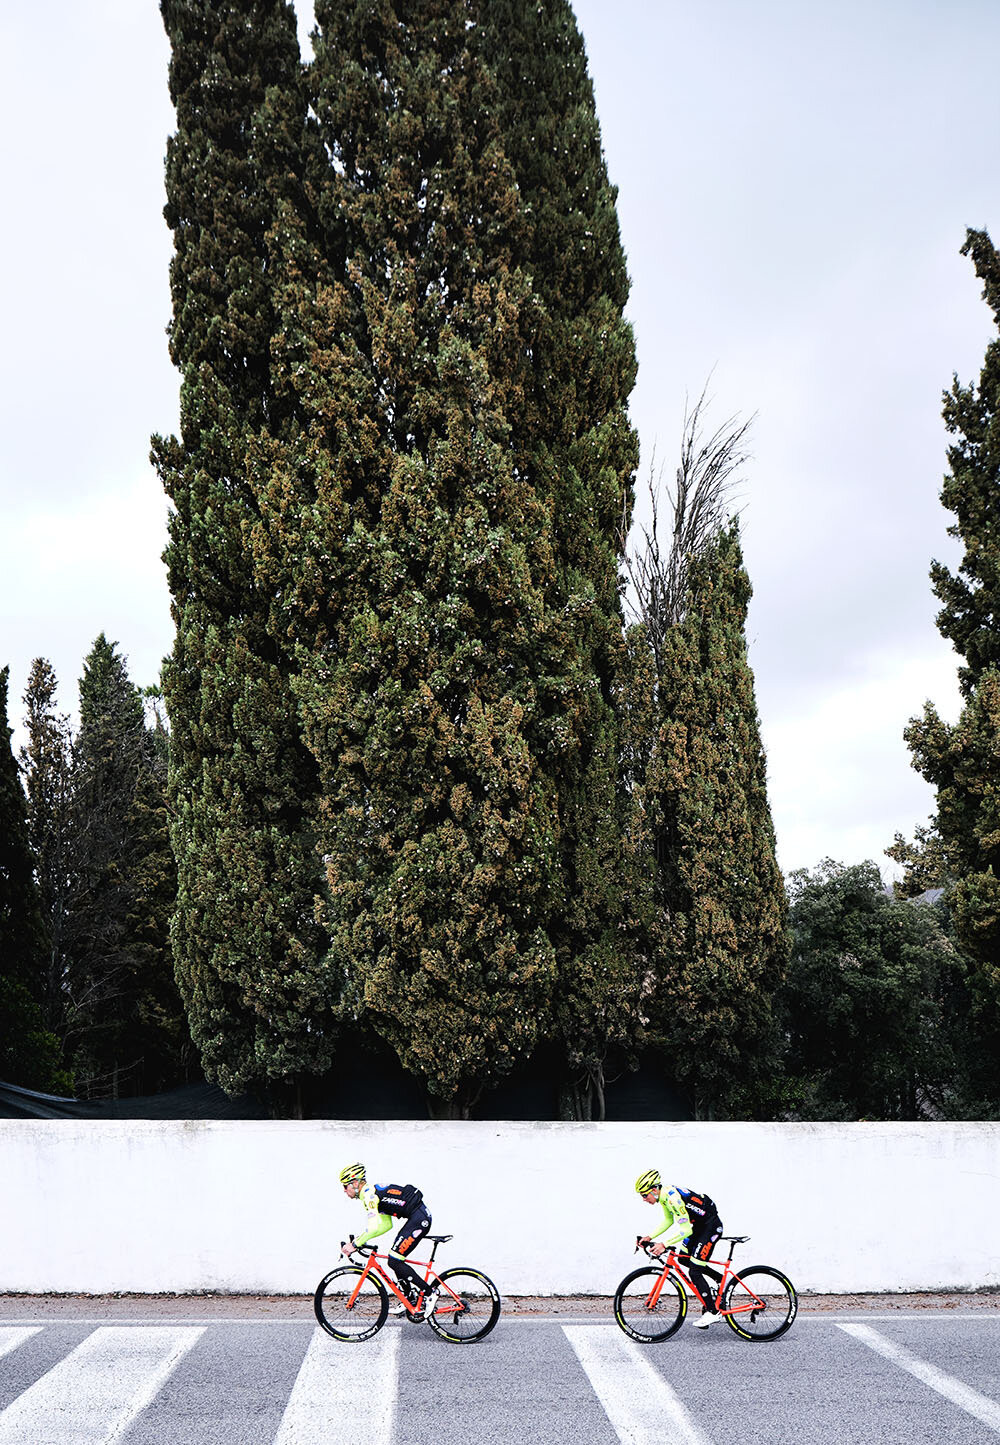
[438,1322]
[650,1337]
[733,1320]
[357,1337]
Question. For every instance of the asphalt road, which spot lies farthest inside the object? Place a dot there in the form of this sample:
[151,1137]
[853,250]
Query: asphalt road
[840,1378]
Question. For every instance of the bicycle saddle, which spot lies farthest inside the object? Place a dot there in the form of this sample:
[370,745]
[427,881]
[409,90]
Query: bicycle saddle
[735,1238]
[440,1238]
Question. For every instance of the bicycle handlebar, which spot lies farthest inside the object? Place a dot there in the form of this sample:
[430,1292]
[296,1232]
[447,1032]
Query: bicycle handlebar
[358,1248]
[646,1245]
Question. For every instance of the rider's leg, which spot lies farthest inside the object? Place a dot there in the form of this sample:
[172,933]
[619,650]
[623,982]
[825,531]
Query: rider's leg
[409,1236]
[699,1245]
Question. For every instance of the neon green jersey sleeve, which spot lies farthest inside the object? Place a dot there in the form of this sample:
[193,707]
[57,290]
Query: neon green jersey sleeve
[676,1218]
[378,1223]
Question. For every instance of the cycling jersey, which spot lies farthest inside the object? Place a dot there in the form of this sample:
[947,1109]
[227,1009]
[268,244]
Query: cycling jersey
[685,1212]
[382,1201]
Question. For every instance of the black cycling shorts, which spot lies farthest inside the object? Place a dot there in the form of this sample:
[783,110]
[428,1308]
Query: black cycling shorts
[703,1238]
[412,1232]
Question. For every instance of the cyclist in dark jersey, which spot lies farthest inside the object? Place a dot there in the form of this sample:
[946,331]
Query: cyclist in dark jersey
[694,1225]
[383,1202]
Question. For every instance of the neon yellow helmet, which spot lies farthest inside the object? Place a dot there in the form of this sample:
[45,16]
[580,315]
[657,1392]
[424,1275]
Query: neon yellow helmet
[353,1171]
[647,1181]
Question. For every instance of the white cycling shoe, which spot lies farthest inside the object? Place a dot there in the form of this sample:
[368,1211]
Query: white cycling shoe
[708,1318]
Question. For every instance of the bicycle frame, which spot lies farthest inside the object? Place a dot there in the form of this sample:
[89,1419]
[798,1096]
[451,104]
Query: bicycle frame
[671,1265]
[373,1266]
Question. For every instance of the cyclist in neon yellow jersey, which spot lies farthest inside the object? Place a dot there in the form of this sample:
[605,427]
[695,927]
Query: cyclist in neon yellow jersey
[691,1221]
[383,1201]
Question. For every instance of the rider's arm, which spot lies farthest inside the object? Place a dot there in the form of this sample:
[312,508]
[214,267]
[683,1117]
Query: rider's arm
[677,1223]
[379,1225]
[378,1222]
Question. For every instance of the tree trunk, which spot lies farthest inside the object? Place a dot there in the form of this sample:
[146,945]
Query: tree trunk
[599,1106]
[453,1108]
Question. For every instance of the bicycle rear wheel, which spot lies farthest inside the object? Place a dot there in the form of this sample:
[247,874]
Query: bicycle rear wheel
[350,1319]
[763,1303]
[466,1308]
[642,1320]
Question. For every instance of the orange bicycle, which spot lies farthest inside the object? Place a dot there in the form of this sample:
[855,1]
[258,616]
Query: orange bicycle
[352,1301]
[651,1303]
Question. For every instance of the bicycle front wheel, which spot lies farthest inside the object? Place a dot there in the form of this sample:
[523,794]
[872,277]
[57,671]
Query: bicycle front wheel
[466,1308]
[347,1312]
[641,1317]
[760,1303]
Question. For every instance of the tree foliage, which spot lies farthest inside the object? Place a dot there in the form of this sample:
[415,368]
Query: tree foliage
[970,599]
[719,883]
[874,1008]
[29,1052]
[438,822]
[47,765]
[120,1013]
[717,940]
[963,846]
[248,951]
[576,444]
[441,523]
[97,826]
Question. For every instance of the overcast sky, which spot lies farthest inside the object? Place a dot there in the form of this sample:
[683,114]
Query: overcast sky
[795,182]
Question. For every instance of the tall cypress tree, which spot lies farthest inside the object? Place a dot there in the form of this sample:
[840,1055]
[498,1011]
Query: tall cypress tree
[121,1011]
[29,1052]
[47,765]
[388,282]
[723,900]
[249,954]
[715,920]
[430,499]
[580,452]
[419,682]
[961,760]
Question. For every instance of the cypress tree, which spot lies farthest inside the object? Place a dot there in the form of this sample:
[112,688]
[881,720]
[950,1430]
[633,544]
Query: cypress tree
[715,920]
[718,884]
[970,600]
[961,760]
[121,1009]
[428,503]
[249,954]
[47,765]
[580,452]
[420,699]
[29,1052]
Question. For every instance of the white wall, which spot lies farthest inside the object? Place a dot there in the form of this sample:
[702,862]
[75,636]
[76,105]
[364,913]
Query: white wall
[544,1208]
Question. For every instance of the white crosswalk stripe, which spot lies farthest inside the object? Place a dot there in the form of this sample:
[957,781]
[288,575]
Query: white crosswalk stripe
[986,1411]
[12,1337]
[641,1406]
[343,1393]
[93,1395]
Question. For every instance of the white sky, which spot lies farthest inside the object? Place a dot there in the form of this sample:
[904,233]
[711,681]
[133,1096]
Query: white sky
[795,183]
